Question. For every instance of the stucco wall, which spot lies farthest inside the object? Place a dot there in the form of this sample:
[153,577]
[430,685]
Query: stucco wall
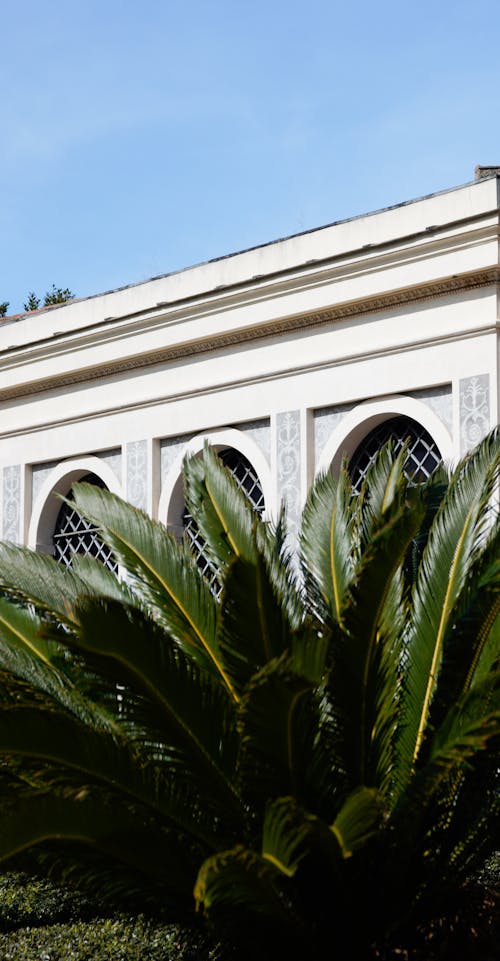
[296,348]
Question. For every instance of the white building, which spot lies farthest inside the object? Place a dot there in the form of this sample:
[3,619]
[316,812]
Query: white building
[290,354]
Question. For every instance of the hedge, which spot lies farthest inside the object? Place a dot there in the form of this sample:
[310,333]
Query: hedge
[40,921]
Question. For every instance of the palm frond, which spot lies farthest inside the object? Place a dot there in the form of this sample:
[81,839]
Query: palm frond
[86,757]
[432,494]
[462,743]
[38,579]
[384,487]
[100,581]
[239,881]
[223,514]
[273,752]
[160,571]
[110,828]
[248,643]
[327,546]
[29,654]
[273,544]
[478,809]
[365,677]
[471,646]
[477,705]
[286,835]
[457,533]
[184,694]
[22,629]
[290,833]
[358,820]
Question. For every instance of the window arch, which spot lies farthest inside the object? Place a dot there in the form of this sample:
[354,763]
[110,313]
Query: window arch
[356,425]
[171,502]
[74,534]
[423,453]
[47,506]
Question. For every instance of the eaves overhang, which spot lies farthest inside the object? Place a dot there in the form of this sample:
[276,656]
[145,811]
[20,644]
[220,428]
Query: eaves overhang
[432,262]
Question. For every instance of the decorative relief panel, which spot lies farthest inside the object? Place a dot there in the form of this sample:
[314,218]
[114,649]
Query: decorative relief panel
[39,474]
[11,524]
[113,458]
[474,410]
[440,401]
[260,433]
[288,462]
[326,420]
[170,449]
[137,473]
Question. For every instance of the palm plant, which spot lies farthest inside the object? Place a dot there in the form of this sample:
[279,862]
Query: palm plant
[313,752]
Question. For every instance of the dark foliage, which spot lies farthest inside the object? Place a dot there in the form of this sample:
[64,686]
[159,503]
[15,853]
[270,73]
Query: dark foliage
[314,752]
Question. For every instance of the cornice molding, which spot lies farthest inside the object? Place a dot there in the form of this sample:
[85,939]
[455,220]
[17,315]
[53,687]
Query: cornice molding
[229,385]
[392,300]
[169,314]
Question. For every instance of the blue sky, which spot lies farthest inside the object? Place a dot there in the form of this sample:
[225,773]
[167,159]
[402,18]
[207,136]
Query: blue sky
[139,138]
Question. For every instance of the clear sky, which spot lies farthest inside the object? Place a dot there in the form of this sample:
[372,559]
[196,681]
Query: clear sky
[140,137]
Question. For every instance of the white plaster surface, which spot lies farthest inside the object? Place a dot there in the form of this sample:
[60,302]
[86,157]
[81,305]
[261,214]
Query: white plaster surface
[402,303]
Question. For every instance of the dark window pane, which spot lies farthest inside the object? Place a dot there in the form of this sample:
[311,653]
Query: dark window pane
[423,453]
[75,535]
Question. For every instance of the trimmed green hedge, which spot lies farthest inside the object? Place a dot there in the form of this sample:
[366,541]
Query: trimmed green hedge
[101,940]
[40,921]
[25,902]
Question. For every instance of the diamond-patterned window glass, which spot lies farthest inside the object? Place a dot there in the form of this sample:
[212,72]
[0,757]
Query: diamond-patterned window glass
[423,453]
[75,535]
[248,481]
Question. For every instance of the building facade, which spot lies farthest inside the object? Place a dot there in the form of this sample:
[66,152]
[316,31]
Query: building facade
[290,355]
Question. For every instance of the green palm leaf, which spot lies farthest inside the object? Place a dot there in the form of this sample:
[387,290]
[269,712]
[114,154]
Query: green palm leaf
[100,581]
[456,535]
[477,706]
[273,756]
[222,512]
[358,820]
[183,694]
[471,646]
[327,544]
[462,742]
[248,643]
[432,492]
[39,580]
[28,654]
[384,487]
[21,629]
[290,833]
[467,851]
[240,881]
[160,571]
[104,759]
[286,835]
[364,680]
[273,545]
[87,819]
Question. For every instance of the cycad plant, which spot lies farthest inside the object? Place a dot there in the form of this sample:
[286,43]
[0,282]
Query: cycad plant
[309,758]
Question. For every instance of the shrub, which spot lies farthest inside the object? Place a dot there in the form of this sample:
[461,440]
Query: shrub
[314,752]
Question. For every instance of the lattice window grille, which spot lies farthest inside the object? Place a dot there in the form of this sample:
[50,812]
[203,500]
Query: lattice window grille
[73,534]
[423,454]
[248,481]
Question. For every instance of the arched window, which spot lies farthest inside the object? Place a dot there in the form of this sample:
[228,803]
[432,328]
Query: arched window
[73,534]
[248,481]
[423,453]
